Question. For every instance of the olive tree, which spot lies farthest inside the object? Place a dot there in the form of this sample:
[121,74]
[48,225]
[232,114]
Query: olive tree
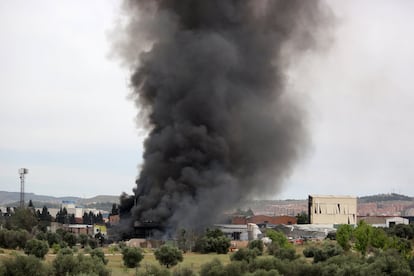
[37,248]
[168,255]
[132,256]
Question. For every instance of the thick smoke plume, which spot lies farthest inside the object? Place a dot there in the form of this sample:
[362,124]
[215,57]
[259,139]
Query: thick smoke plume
[209,79]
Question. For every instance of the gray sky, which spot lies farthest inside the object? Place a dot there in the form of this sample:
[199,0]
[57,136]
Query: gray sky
[64,112]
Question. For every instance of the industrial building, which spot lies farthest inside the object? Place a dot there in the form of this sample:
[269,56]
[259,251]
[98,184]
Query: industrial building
[330,209]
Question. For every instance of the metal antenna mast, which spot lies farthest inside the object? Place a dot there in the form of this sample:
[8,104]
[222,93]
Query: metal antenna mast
[22,172]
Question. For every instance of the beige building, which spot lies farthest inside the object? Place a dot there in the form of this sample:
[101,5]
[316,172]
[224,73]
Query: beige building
[330,209]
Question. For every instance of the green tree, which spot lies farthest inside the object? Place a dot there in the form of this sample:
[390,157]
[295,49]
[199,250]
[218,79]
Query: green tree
[37,248]
[344,236]
[132,256]
[83,239]
[277,237]
[257,244]
[168,255]
[23,219]
[66,263]
[24,266]
[362,234]
[213,268]
[69,238]
[53,238]
[13,238]
[98,253]
[155,270]
[245,254]
[213,241]
[302,218]
[378,238]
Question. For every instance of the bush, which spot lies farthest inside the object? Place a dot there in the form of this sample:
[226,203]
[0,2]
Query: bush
[55,248]
[69,238]
[98,253]
[309,252]
[37,248]
[327,251]
[68,264]
[213,268]
[65,263]
[168,255]
[183,271]
[24,265]
[265,263]
[213,241]
[83,240]
[93,243]
[155,271]
[89,265]
[257,244]
[13,239]
[287,252]
[344,235]
[236,268]
[262,272]
[277,237]
[53,238]
[132,256]
[245,254]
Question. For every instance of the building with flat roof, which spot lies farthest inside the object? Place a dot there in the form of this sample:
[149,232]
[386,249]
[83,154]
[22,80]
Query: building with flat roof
[332,209]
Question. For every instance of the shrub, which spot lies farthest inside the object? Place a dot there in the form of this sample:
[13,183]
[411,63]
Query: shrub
[89,265]
[55,248]
[37,248]
[93,243]
[213,268]
[24,265]
[309,252]
[68,264]
[98,253]
[83,240]
[265,263]
[258,244]
[344,235]
[287,252]
[53,238]
[262,272]
[327,251]
[236,268]
[183,271]
[168,255]
[244,254]
[154,271]
[213,241]
[277,237]
[65,263]
[131,256]
[13,238]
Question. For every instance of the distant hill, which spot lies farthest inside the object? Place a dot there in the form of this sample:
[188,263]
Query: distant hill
[11,198]
[384,197]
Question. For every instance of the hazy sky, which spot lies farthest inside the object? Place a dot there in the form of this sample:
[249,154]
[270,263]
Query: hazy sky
[65,115]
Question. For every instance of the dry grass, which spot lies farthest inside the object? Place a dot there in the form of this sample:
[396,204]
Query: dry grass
[191,260]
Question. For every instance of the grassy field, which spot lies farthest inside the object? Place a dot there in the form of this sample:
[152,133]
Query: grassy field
[191,260]
[115,264]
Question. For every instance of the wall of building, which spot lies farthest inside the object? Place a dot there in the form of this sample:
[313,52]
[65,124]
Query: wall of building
[263,219]
[332,209]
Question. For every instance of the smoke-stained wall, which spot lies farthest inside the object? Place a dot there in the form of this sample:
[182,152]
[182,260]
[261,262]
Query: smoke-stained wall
[209,80]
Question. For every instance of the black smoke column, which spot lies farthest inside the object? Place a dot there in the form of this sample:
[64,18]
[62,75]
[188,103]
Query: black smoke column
[209,79]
